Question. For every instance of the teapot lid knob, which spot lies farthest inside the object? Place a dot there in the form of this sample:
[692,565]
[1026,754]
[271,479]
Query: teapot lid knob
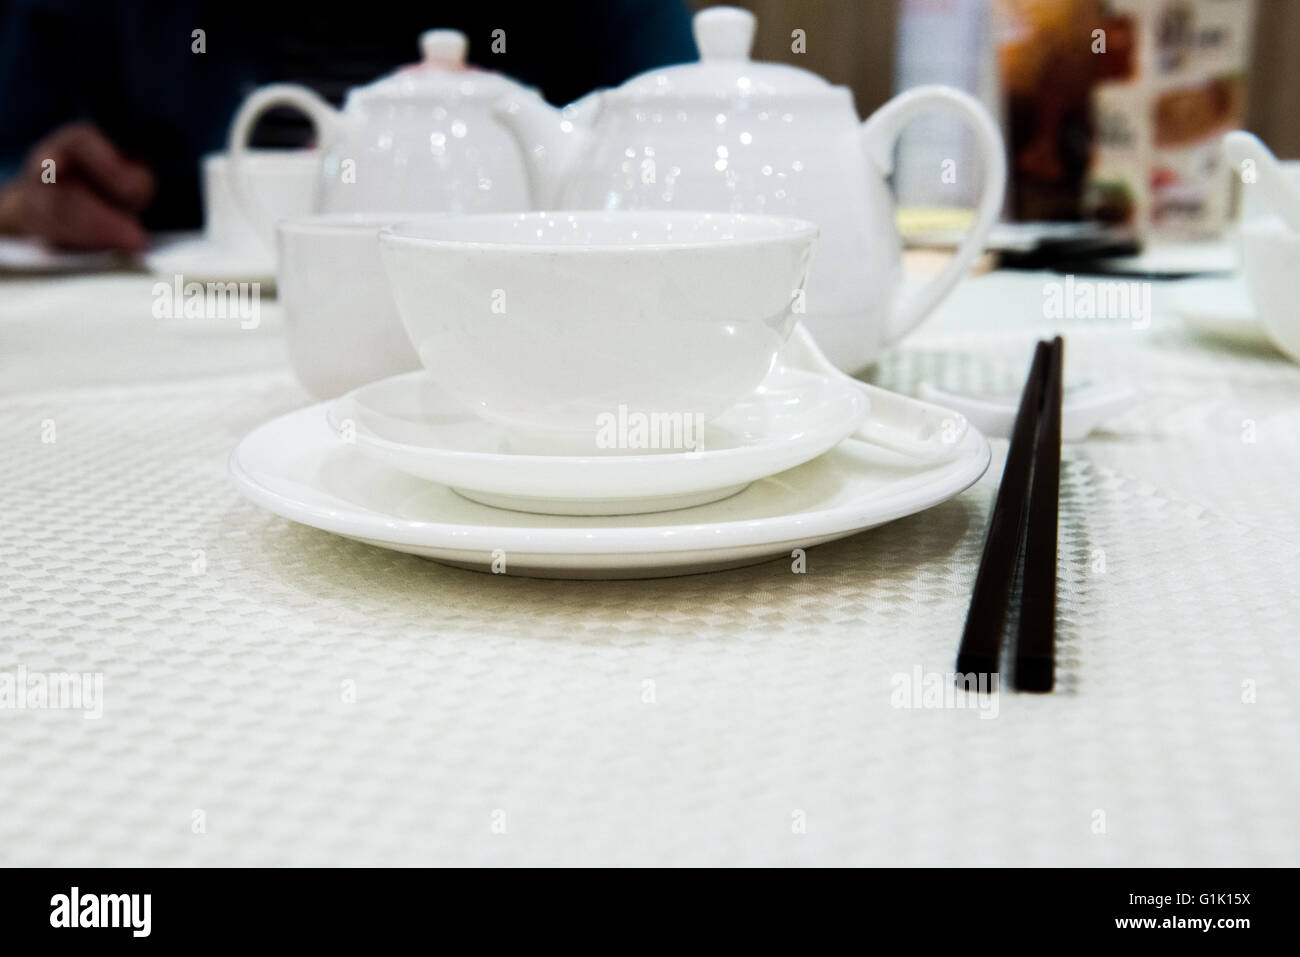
[724,33]
[444,47]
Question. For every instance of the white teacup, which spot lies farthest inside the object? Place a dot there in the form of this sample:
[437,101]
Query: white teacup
[549,323]
[342,326]
[285,184]
[1271,258]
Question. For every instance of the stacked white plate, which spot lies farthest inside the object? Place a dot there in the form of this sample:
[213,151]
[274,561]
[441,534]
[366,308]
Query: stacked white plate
[810,456]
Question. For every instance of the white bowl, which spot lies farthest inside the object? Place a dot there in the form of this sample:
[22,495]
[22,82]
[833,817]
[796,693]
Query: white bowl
[342,325]
[550,322]
[1271,258]
[283,183]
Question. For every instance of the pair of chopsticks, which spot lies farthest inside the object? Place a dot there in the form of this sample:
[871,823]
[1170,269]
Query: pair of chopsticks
[1022,538]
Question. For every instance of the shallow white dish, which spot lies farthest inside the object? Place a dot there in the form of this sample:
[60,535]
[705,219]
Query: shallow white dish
[1178,258]
[202,260]
[1083,409]
[1220,308]
[296,467]
[408,422]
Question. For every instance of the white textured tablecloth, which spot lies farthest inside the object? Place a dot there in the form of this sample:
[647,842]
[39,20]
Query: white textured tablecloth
[273,694]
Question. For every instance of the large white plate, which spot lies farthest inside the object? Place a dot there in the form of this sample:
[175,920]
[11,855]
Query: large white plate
[297,467]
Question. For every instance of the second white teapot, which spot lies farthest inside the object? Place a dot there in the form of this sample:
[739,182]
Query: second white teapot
[420,140]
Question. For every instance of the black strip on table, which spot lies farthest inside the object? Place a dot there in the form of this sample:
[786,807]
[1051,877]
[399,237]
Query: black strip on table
[981,640]
[1036,639]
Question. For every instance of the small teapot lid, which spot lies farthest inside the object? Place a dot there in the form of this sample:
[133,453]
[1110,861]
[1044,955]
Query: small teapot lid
[724,36]
[441,74]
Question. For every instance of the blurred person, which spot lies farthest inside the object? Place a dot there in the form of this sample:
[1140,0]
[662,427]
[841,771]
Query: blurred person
[120,98]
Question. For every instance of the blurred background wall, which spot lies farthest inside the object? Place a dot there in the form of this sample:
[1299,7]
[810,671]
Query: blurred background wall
[851,42]
[1274,109]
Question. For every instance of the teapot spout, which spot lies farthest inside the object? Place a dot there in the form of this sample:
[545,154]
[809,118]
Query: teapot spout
[551,140]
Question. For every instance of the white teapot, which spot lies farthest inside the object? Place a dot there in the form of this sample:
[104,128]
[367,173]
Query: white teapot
[422,139]
[734,135]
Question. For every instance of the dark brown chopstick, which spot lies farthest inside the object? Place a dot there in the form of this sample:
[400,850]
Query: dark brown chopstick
[1035,668]
[981,641]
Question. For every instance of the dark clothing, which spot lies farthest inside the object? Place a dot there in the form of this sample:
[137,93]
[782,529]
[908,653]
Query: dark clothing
[129,67]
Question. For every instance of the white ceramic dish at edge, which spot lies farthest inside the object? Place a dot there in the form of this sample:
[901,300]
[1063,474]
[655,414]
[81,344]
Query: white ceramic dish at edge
[1219,308]
[1271,258]
[295,467]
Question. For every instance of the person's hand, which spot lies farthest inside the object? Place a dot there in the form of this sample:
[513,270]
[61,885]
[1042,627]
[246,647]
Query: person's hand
[76,190]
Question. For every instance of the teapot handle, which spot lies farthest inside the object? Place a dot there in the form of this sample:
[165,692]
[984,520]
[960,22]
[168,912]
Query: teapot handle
[323,116]
[879,134]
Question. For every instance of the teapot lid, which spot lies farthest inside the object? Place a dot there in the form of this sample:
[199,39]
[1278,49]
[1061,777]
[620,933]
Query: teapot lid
[441,74]
[724,36]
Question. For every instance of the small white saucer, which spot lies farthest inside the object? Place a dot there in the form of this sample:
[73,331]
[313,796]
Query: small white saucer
[23,255]
[201,260]
[1083,409]
[1183,258]
[409,423]
[1220,308]
[296,467]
